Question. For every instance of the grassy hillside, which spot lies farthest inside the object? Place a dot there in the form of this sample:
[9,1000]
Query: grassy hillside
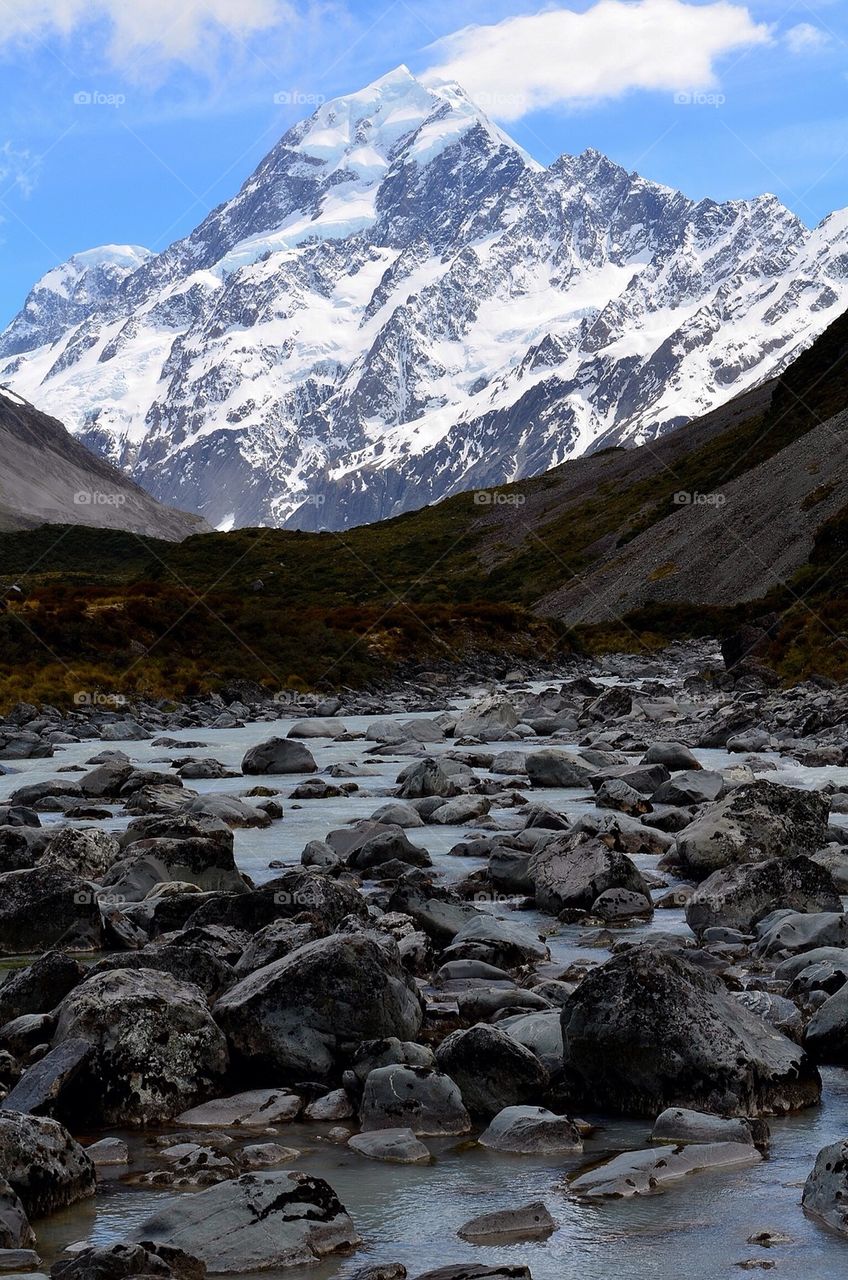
[283,609]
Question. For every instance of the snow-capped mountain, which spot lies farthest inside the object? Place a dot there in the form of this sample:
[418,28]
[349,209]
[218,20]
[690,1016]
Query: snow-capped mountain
[400,304]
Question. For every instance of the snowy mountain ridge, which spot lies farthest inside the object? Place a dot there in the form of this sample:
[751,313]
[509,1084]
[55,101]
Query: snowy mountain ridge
[400,303]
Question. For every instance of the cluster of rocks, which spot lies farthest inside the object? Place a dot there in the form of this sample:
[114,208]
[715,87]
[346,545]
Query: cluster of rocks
[358,989]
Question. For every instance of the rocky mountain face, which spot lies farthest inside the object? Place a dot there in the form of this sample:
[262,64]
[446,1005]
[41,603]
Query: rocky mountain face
[48,477]
[400,304]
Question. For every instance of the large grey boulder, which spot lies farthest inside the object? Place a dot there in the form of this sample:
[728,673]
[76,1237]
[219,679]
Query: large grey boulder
[45,908]
[826,1037]
[488,719]
[573,870]
[84,851]
[40,986]
[738,897]
[531,1131]
[674,755]
[691,787]
[649,1030]
[301,1014]
[825,1196]
[756,822]
[427,1102]
[317,727]
[258,1222]
[15,1231]
[527,1222]
[278,755]
[492,1070]
[393,1146]
[678,1124]
[195,860]
[43,1164]
[552,767]
[785,933]
[428,777]
[636,1173]
[156,1049]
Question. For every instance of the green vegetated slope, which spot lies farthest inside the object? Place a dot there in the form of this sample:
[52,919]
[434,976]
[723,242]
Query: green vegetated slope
[284,608]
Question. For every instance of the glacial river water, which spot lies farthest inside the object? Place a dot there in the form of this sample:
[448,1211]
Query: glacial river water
[698,1230]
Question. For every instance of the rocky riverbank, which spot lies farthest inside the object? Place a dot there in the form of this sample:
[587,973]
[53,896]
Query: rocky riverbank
[529,915]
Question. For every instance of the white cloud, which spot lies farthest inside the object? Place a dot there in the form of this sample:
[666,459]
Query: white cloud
[18,170]
[182,30]
[805,38]
[563,57]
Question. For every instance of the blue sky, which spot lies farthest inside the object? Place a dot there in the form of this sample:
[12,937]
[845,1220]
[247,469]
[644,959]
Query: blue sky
[126,121]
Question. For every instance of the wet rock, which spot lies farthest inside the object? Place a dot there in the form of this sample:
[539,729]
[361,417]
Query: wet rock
[297,1013]
[531,1131]
[825,1196]
[335,1105]
[488,719]
[120,1261]
[619,905]
[398,814]
[673,755]
[497,942]
[826,1037]
[41,1085]
[642,1172]
[195,860]
[46,908]
[194,964]
[789,932]
[428,777]
[528,1222]
[478,1271]
[43,1164]
[275,941]
[755,823]
[692,787]
[616,794]
[492,1069]
[649,1030]
[778,1012]
[317,727]
[738,897]
[108,1152]
[258,1222]
[572,871]
[278,756]
[676,1124]
[255,1109]
[427,1102]
[15,1231]
[540,1032]
[40,986]
[156,1049]
[388,846]
[555,768]
[395,1146]
[461,810]
[86,852]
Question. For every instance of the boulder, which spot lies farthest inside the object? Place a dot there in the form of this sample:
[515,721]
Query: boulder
[488,719]
[528,1222]
[85,851]
[47,907]
[739,896]
[616,794]
[552,767]
[40,986]
[790,932]
[825,1195]
[673,755]
[279,755]
[677,1124]
[121,1261]
[497,942]
[648,1030]
[258,1222]
[395,1146]
[757,822]
[317,727]
[194,860]
[156,1049]
[531,1131]
[15,1231]
[299,1014]
[427,1102]
[428,777]
[826,1037]
[492,1069]
[636,1173]
[573,870]
[43,1164]
[255,1109]
[691,787]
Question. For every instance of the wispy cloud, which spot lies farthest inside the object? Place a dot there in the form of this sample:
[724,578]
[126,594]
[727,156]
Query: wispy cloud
[18,170]
[141,32]
[563,57]
[806,38]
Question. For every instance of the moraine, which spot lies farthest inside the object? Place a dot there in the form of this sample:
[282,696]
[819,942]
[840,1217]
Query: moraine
[410,1214]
